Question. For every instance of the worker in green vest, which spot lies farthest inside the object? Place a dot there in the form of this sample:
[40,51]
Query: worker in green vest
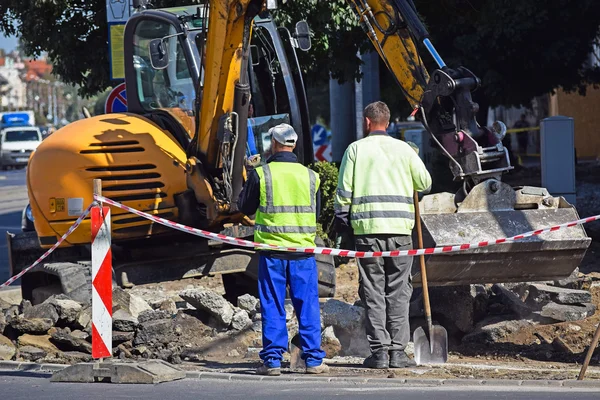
[374,203]
[285,196]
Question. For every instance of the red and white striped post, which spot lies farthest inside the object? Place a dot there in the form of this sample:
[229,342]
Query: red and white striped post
[101,279]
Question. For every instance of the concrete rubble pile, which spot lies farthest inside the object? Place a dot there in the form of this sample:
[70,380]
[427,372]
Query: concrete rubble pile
[172,329]
[196,323]
[503,309]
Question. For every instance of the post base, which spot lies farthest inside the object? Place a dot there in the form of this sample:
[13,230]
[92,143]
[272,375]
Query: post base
[154,371]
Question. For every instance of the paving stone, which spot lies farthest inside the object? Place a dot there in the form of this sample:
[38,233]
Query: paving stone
[155,331]
[493,329]
[7,348]
[40,341]
[249,303]
[241,320]
[511,300]
[31,353]
[540,295]
[348,322]
[119,337]
[211,302]
[84,318]
[68,342]
[564,312]
[68,309]
[45,310]
[134,305]
[31,325]
[123,321]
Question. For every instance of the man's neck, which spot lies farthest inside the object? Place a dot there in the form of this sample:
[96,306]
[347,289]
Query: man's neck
[377,131]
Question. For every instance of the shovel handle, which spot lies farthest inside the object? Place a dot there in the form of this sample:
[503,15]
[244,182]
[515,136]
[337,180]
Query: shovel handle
[422,262]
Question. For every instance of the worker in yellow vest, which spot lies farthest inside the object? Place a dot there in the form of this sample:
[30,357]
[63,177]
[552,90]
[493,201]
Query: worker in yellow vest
[374,202]
[285,197]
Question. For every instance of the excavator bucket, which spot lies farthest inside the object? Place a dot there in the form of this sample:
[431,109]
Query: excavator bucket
[494,210]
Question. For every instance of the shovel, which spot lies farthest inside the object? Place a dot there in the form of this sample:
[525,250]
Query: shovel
[432,349]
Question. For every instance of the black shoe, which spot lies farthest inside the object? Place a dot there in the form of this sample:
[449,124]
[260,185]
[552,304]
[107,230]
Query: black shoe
[399,359]
[378,359]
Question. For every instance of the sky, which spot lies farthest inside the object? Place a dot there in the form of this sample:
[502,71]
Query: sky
[8,43]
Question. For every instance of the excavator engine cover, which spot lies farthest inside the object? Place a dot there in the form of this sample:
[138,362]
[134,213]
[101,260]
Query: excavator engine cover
[494,210]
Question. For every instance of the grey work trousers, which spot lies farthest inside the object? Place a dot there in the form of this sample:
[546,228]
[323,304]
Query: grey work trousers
[385,288]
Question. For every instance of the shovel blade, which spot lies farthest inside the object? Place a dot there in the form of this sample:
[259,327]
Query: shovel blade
[431,350]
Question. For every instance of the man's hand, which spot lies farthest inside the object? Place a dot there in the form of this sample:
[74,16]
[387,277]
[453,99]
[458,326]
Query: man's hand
[253,161]
[344,240]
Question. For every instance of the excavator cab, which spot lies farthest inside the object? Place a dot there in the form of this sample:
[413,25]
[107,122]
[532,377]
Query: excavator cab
[165,63]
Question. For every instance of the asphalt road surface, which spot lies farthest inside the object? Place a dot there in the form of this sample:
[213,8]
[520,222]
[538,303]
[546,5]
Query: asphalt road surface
[13,198]
[16,386]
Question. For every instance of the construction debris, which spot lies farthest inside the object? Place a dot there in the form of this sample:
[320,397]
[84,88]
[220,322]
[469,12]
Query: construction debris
[132,304]
[249,303]
[348,323]
[38,341]
[172,324]
[541,295]
[31,325]
[68,310]
[241,320]
[564,312]
[71,341]
[211,302]
[41,311]
[330,343]
[30,353]
[494,329]
[123,321]
[7,348]
[511,300]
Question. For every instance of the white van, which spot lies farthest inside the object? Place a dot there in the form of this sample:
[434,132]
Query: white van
[17,143]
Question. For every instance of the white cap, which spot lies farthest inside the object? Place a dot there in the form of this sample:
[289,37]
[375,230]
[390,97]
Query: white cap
[284,134]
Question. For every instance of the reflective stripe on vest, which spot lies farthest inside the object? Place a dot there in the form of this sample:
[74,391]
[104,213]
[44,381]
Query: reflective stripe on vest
[286,214]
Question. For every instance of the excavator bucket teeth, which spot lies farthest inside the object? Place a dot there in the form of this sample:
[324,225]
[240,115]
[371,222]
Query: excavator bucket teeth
[547,257]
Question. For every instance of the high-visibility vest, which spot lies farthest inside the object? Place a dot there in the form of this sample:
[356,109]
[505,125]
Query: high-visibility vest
[377,178]
[286,214]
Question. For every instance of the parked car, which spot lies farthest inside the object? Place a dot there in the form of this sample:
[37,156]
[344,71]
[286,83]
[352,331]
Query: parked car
[16,145]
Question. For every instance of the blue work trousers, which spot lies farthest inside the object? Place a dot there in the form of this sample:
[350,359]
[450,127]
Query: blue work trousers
[274,275]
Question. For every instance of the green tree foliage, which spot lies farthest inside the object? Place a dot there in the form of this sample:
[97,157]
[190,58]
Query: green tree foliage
[336,40]
[328,174]
[74,34]
[520,49]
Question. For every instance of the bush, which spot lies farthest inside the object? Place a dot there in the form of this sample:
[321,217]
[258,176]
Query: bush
[328,172]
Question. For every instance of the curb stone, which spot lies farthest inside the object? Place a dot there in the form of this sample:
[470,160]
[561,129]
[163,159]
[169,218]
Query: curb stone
[44,369]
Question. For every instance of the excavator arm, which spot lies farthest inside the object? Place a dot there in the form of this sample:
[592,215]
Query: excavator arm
[215,167]
[441,100]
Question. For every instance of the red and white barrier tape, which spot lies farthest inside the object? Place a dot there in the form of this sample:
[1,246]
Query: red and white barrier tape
[338,252]
[50,250]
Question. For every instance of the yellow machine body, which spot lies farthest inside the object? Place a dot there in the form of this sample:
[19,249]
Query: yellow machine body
[140,165]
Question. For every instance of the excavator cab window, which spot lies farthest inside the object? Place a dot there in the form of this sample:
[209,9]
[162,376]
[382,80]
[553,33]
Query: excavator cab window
[274,98]
[170,87]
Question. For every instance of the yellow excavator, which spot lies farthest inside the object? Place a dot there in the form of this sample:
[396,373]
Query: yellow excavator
[179,153]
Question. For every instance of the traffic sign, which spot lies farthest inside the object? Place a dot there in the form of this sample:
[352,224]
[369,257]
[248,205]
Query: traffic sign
[116,101]
[319,135]
[323,153]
